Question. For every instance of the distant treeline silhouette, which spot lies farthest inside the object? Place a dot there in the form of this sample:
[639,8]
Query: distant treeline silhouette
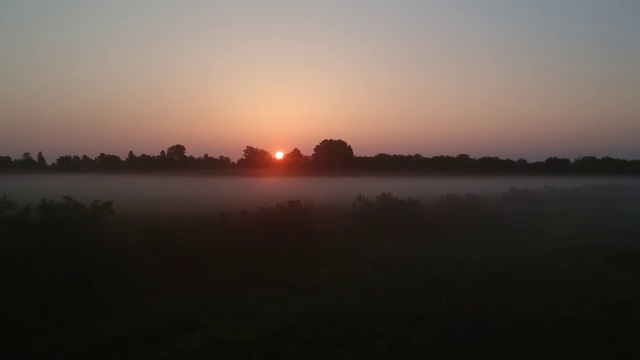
[334,156]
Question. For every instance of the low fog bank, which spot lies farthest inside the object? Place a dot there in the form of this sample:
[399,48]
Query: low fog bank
[167,195]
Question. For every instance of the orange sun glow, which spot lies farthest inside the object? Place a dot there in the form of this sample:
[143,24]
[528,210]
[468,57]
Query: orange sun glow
[279,155]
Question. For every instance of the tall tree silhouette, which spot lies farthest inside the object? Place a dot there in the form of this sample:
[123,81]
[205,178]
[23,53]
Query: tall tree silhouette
[131,161]
[42,162]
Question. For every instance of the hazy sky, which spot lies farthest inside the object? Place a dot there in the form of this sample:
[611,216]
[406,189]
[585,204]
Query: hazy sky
[501,78]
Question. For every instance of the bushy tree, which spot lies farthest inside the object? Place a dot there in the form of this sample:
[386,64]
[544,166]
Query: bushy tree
[68,163]
[109,162]
[177,152]
[255,157]
[330,153]
[294,158]
[88,164]
[177,157]
[5,162]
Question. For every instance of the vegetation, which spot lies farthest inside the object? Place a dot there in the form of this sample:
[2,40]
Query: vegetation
[527,273]
[329,156]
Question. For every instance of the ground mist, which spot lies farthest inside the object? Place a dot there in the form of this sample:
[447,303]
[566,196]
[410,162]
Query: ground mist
[549,271]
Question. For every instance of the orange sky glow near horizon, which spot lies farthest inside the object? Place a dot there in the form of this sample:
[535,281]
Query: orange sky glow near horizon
[515,79]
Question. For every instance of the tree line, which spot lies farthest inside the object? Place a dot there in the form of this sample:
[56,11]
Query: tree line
[330,155]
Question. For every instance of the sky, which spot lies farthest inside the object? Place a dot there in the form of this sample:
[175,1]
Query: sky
[508,78]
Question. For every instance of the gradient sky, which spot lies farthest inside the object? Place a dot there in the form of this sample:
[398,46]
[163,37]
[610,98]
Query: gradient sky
[496,77]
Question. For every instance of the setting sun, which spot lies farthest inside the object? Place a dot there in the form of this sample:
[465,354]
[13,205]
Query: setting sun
[279,155]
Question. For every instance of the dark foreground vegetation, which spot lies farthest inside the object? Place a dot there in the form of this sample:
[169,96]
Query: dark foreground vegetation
[524,274]
[329,156]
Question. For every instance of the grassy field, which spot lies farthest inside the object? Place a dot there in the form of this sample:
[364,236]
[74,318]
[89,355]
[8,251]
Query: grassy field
[524,274]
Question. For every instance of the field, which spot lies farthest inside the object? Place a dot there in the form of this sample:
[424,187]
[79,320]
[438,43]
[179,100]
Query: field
[527,273]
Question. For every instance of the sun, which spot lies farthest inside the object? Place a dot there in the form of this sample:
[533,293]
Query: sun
[279,155]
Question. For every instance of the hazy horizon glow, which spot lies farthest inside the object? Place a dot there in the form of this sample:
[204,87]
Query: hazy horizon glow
[502,78]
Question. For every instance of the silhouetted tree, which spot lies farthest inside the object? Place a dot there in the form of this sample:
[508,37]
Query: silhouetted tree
[255,157]
[554,165]
[132,161]
[109,163]
[224,161]
[66,163]
[177,152]
[5,163]
[443,163]
[330,153]
[176,157]
[490,164]
[88,164]
[190,162]
[42,162]
[70,163]
[26,163]
[147,162]
[294,158]
[464,163]
[210,163]
[522,165]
